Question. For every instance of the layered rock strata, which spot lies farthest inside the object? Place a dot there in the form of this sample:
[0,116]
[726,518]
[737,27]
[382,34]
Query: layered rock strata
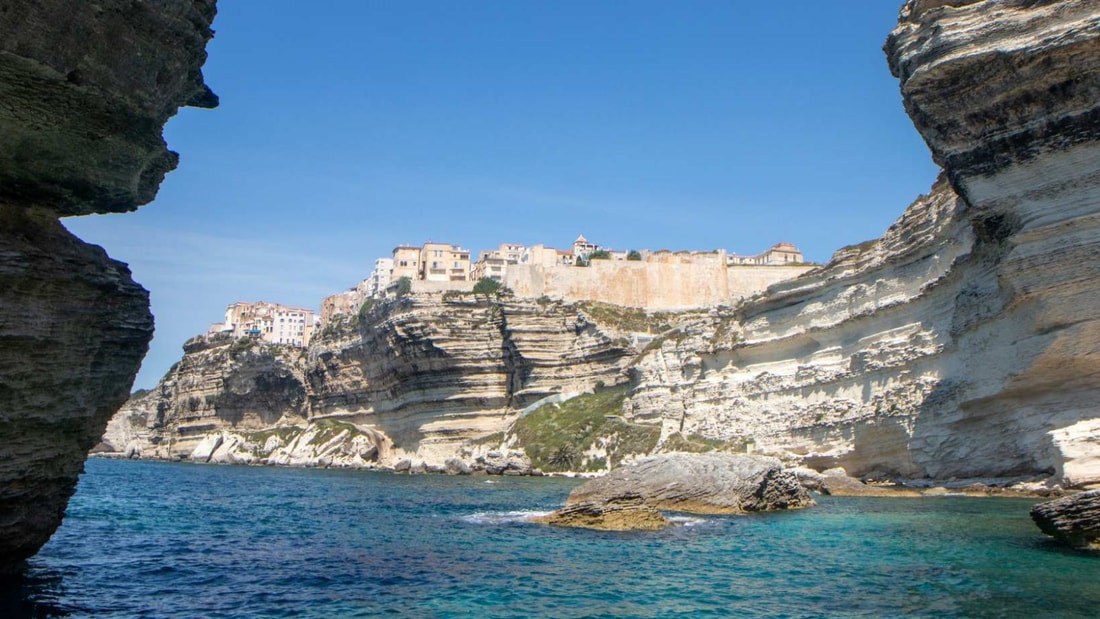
[421,379]
[965,342]
[220,383]
[1073,520]
[625,513]
[87,88]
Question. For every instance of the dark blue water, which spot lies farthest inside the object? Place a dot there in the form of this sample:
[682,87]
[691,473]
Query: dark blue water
[170,540]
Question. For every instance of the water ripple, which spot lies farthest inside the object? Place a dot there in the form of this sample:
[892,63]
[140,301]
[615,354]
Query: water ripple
[159,540]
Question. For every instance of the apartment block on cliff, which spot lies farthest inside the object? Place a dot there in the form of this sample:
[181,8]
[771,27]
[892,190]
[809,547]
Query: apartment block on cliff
[443,262]
[493,263]
[406,262]
[271,322]
[380,277]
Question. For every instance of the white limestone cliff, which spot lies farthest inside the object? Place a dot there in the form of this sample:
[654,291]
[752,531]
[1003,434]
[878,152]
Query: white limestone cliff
[965,342]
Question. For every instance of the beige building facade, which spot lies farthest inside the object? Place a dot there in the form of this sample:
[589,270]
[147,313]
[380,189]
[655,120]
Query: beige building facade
[443,262]
[406,263]
[777,255]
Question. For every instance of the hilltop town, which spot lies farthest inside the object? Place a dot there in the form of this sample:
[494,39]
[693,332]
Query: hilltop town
[651,280]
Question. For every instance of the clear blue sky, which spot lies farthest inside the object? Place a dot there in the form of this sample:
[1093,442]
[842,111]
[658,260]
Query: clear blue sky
[348,126]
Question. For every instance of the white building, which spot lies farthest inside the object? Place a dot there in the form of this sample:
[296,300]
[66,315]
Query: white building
[271,322]
[379,278]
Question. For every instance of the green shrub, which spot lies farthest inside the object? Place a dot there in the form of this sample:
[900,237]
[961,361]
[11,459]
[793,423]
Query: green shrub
[241,345]
[632,319]
[693,443]
[404,286]
[634,255]
[487,286]
[366,308]
[600,254]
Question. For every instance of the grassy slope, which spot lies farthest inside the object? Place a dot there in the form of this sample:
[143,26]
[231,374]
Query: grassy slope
[556,437]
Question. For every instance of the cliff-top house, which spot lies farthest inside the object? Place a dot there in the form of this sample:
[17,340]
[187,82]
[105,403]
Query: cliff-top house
[271,322]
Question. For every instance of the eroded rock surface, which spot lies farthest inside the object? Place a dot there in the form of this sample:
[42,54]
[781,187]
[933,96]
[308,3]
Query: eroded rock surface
[965,342]
[699,483]
[86,90]
[419,378]
[623,513]
[219,384]
[1074,520]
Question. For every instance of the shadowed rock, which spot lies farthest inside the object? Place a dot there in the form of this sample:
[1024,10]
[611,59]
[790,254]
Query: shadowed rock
[836,482]
[1074,520]
[86,89]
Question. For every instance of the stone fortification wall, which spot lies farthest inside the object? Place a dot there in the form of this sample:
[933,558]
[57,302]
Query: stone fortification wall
[426,287]
[347,302]
[663,282]
[746,281]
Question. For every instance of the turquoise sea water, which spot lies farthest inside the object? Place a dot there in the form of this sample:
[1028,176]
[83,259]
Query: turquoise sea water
[146,539]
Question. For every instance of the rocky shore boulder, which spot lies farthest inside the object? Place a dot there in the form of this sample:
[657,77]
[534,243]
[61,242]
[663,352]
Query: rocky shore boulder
[709,483]
[623,513]
[836,482]
[1074,520]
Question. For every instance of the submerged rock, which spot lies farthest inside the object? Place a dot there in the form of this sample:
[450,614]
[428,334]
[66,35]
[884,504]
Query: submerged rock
[711,483]
[1074,520]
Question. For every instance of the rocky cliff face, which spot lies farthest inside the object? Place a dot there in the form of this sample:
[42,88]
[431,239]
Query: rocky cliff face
[86,88]
[965,342]
[416,378]
[219,383]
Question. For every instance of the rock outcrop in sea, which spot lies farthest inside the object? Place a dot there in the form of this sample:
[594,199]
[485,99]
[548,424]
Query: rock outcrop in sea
[708,483]
[1073,520]
[87,88]
[632,496]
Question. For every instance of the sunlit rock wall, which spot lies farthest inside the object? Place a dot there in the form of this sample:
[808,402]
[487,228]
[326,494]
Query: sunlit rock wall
[965,342]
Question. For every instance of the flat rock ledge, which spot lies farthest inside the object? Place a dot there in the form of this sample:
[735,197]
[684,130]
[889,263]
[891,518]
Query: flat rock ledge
[1073,520]
[836,482]
[697,483]
[627,513]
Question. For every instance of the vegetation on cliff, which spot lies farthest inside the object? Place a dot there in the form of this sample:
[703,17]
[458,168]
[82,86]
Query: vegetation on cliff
[585,434]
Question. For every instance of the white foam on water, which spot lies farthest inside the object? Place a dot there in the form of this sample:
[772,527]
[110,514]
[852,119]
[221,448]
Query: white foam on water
[687,521]
[503,517]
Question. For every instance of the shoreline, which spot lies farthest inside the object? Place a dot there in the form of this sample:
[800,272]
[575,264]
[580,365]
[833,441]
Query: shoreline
[977,487]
